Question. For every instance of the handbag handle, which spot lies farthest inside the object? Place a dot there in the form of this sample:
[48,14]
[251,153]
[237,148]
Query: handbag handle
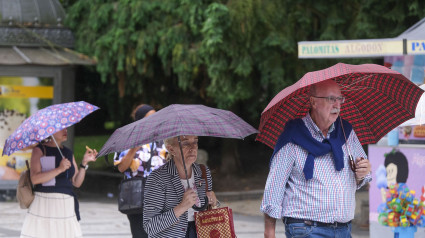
[204,176]
[206,205]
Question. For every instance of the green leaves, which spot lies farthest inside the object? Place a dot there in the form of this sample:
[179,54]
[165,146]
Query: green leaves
[221,53]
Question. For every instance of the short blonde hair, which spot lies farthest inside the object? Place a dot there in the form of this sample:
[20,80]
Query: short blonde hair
[169,142]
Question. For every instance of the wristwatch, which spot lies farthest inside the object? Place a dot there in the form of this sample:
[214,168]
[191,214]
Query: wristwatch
[84,167]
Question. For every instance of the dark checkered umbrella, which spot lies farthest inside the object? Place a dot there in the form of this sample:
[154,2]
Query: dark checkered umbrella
[176,120]
[378,99]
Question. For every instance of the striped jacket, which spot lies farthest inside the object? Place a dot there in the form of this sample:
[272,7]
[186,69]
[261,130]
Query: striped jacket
[163,192]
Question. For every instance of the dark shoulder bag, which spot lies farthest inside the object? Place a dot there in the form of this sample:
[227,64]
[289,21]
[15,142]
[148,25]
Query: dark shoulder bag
[131,194]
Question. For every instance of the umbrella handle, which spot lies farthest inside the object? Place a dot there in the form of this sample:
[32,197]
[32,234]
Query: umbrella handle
[184,165]
[203,208]
[59,152]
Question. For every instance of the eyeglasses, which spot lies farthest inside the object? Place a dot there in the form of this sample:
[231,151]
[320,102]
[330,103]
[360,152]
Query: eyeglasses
[332,99]
[189,145]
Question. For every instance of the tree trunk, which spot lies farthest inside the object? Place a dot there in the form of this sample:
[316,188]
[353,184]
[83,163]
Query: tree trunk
[230,163]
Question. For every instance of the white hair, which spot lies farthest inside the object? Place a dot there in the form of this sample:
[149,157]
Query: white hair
[169,142]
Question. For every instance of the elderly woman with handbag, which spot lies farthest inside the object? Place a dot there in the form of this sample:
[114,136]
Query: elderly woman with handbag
[173,190]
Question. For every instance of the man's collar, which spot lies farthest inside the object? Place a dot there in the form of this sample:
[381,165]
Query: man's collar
[312,124]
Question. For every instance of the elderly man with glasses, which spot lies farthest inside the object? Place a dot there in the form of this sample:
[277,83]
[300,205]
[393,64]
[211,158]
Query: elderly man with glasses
[311,184]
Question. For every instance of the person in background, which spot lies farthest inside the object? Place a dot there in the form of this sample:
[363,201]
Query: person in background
[140,161]
[168,203]
[54,211]
[7,173]
[310,185]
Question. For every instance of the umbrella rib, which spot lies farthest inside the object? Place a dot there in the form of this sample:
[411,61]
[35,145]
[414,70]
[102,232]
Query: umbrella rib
[361,79]
[356,88]
[368,127]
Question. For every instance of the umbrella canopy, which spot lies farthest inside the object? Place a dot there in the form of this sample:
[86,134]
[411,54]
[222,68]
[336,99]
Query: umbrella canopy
[46,122]
[419,118]
[176,120]
[378,99]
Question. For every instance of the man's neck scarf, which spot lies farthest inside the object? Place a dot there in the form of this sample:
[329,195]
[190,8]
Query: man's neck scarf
[296,132]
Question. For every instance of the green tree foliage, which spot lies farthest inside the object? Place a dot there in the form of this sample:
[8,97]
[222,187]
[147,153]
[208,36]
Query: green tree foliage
[222,53]
[232,54]
[211,52]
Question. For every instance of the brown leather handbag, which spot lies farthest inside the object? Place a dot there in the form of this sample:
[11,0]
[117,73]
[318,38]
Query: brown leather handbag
[25,191]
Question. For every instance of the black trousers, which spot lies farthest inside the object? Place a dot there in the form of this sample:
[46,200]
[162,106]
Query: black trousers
[136,225]
[191,230]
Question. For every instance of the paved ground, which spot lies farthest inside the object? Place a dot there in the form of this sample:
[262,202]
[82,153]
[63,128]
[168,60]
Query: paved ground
[100,218]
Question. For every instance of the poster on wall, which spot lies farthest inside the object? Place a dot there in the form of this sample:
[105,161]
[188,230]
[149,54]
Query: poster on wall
[393,165]
[20,97]
[411,66]
[412,134]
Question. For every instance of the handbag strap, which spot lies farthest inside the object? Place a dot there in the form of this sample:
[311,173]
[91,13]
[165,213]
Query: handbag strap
[149,162]
[28,165]
[44,149]
[29,175]
[204,176]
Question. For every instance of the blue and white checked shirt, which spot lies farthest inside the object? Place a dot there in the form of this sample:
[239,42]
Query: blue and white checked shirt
[328,197]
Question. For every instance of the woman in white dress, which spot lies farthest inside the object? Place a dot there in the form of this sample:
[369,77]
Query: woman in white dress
[54,211]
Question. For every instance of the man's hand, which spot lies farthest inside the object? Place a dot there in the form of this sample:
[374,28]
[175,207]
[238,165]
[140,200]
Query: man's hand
[269,226]
[363,168]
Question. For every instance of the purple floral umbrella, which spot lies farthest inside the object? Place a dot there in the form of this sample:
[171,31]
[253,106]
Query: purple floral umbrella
[46,122]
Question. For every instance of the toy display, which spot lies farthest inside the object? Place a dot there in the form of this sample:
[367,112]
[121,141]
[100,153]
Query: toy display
[402,209]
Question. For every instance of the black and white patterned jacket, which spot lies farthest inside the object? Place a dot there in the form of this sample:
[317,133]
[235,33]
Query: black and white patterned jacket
[163,192]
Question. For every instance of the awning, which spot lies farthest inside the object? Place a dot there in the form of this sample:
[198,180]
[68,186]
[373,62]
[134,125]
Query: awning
[14,55]
[410,42]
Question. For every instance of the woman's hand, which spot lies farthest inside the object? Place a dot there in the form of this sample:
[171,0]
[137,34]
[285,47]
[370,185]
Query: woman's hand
[212,199]
[189,199]
[89,156]
[64,165]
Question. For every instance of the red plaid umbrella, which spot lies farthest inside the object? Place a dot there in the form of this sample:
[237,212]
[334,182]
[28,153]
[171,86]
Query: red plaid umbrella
[378,99]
